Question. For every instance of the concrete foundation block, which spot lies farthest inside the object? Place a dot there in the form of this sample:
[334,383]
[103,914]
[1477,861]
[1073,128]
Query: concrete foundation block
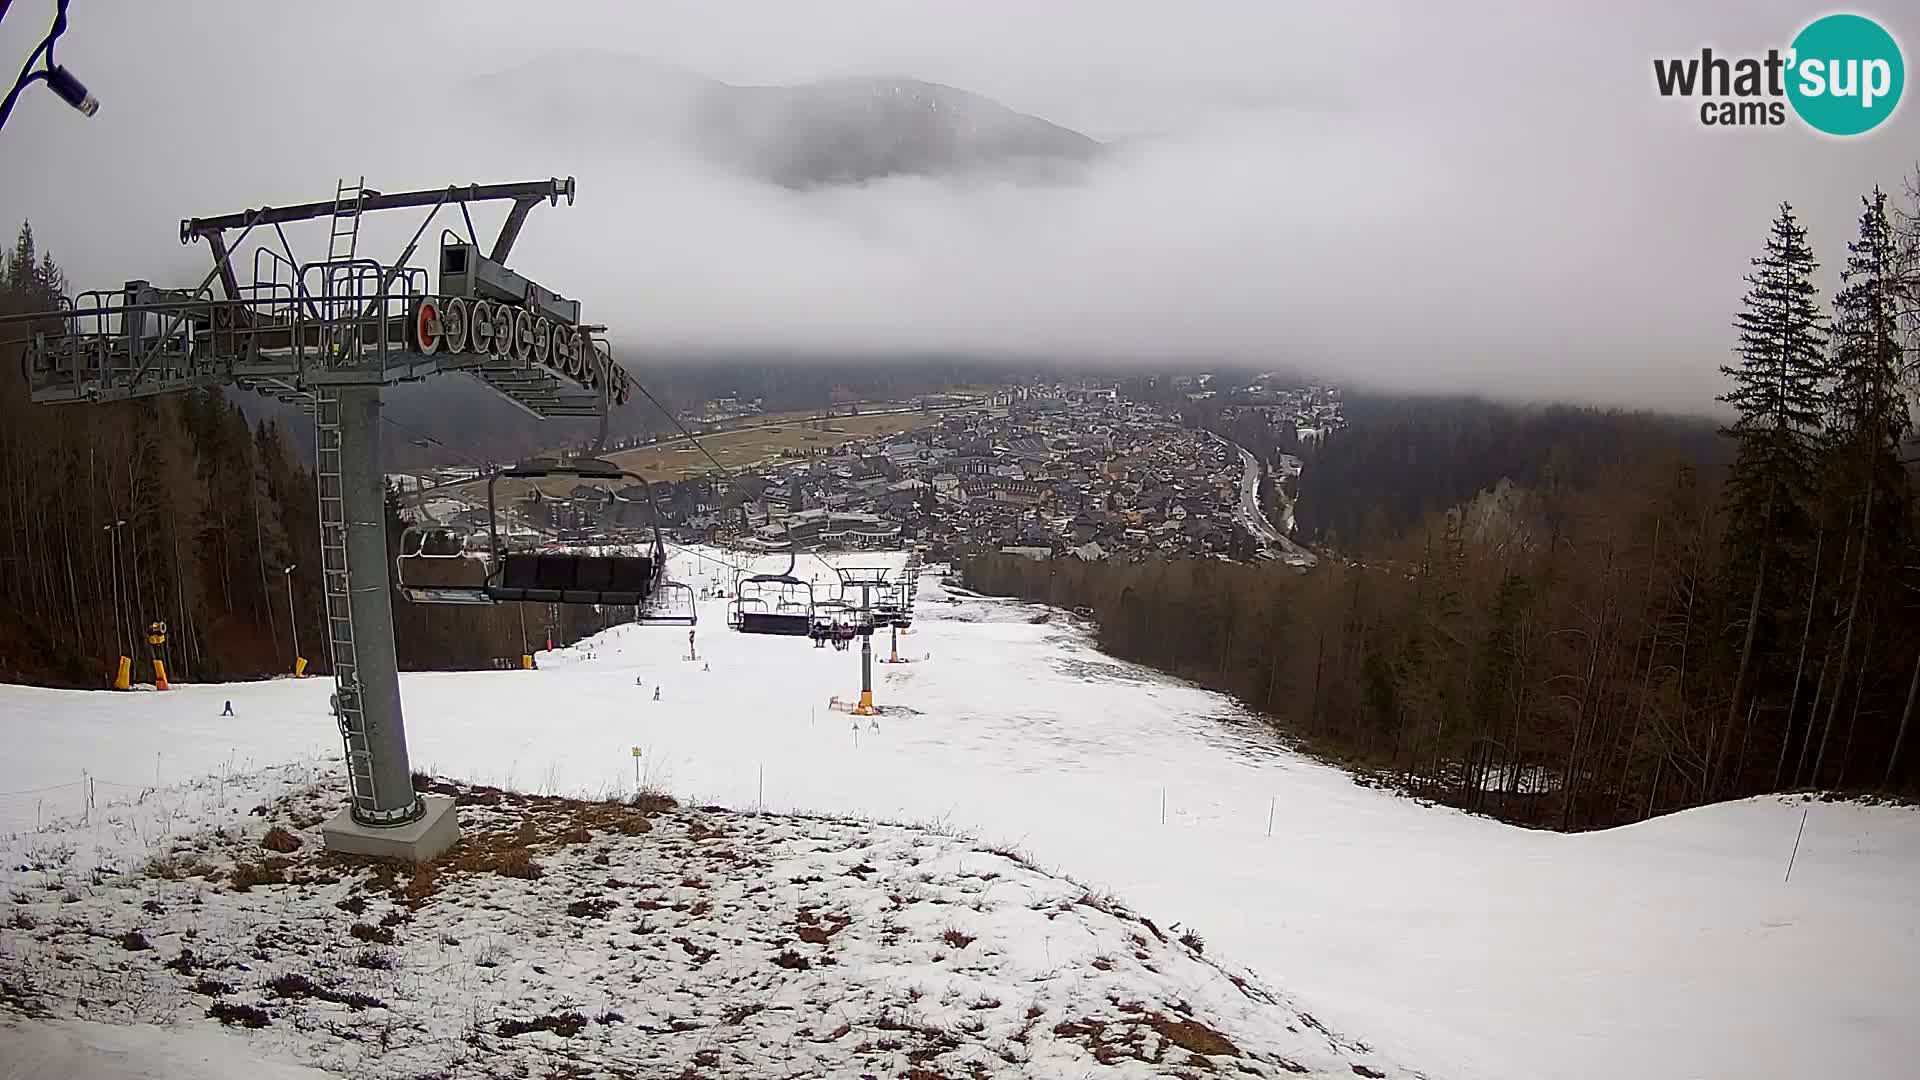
[417,841]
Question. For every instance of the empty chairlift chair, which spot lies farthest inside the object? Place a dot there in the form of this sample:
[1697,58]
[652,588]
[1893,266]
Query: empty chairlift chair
[433,569]
[773,604]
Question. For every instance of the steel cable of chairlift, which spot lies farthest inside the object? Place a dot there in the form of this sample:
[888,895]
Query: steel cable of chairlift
[724,471]
[685,550]
[549,534]
[418,434]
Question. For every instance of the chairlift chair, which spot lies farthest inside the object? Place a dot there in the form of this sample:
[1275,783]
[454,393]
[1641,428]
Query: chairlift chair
[825,612]
[773,604]
[438,566]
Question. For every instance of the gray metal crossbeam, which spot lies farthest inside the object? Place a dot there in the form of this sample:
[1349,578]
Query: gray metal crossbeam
[550,190]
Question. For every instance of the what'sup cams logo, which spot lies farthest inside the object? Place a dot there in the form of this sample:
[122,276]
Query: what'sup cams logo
[1842,75]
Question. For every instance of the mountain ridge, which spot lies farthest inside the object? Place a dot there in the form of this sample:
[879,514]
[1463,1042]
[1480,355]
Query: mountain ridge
[843,130]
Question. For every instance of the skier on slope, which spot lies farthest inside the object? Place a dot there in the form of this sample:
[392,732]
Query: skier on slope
[228,711]
[656,693]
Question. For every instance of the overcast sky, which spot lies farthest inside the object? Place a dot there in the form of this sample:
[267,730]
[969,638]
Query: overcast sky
[1462,196]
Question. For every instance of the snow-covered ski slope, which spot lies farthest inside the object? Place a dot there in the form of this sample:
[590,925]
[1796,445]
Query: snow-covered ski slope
[1452,943]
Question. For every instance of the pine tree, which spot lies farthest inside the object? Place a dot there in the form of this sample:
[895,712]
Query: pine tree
[1868,412]
[20,263]
[1777,392]
[1869,419]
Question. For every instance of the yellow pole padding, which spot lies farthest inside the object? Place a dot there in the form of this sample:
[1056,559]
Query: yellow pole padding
[160,675]
[299,667]
[123,676]
[526,661]
[865,708]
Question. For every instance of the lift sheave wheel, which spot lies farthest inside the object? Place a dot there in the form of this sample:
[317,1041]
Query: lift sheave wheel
[482,327]
[522,334]
[542,340]
[455,321]
[427,329]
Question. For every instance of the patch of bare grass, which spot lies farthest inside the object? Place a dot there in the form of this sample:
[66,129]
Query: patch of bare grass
[566,1025]
[280,840]
[180,867]
[297,987]
[247,1016]
[269,871]
[1192,1036]
[373,935]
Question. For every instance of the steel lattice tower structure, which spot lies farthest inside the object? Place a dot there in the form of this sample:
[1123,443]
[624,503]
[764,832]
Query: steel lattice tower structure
[328,335]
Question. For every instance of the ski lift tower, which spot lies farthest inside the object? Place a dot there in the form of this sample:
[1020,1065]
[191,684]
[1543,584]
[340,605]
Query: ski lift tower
[328,335]
[868,580]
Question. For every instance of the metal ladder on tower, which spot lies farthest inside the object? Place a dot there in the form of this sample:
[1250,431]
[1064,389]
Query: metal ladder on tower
[337,343]
[336,286]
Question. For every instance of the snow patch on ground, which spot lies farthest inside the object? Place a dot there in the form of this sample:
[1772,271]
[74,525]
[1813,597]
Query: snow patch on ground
[1472,949]
[573,938]
[64,1049]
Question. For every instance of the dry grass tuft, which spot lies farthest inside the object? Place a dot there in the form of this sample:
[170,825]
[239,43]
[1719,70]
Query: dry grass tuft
[268,871]
[652,801]
[815,932]
[299,987]
[593,908]
[424,882]
[1192,1036]
[179,867]
[566,1025]
[373,960]
[249,1016]
[507,859]
[280,840]
[373,935]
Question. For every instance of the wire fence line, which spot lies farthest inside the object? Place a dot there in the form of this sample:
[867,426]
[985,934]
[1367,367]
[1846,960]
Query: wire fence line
[89,782]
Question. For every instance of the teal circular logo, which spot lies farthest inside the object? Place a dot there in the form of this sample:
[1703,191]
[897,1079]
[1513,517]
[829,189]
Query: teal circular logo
[1846,74]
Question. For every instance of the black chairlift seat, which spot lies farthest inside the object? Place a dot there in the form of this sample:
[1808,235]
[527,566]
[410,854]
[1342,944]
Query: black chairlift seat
[774,622]
[767,604]
[546,578]
[430,569]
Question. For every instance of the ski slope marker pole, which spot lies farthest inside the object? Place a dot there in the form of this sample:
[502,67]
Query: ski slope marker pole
[1796,844]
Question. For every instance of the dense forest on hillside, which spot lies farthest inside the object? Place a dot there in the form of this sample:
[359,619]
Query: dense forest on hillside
[1636,628]
[176,509]
[1577,678]
[1402,458]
